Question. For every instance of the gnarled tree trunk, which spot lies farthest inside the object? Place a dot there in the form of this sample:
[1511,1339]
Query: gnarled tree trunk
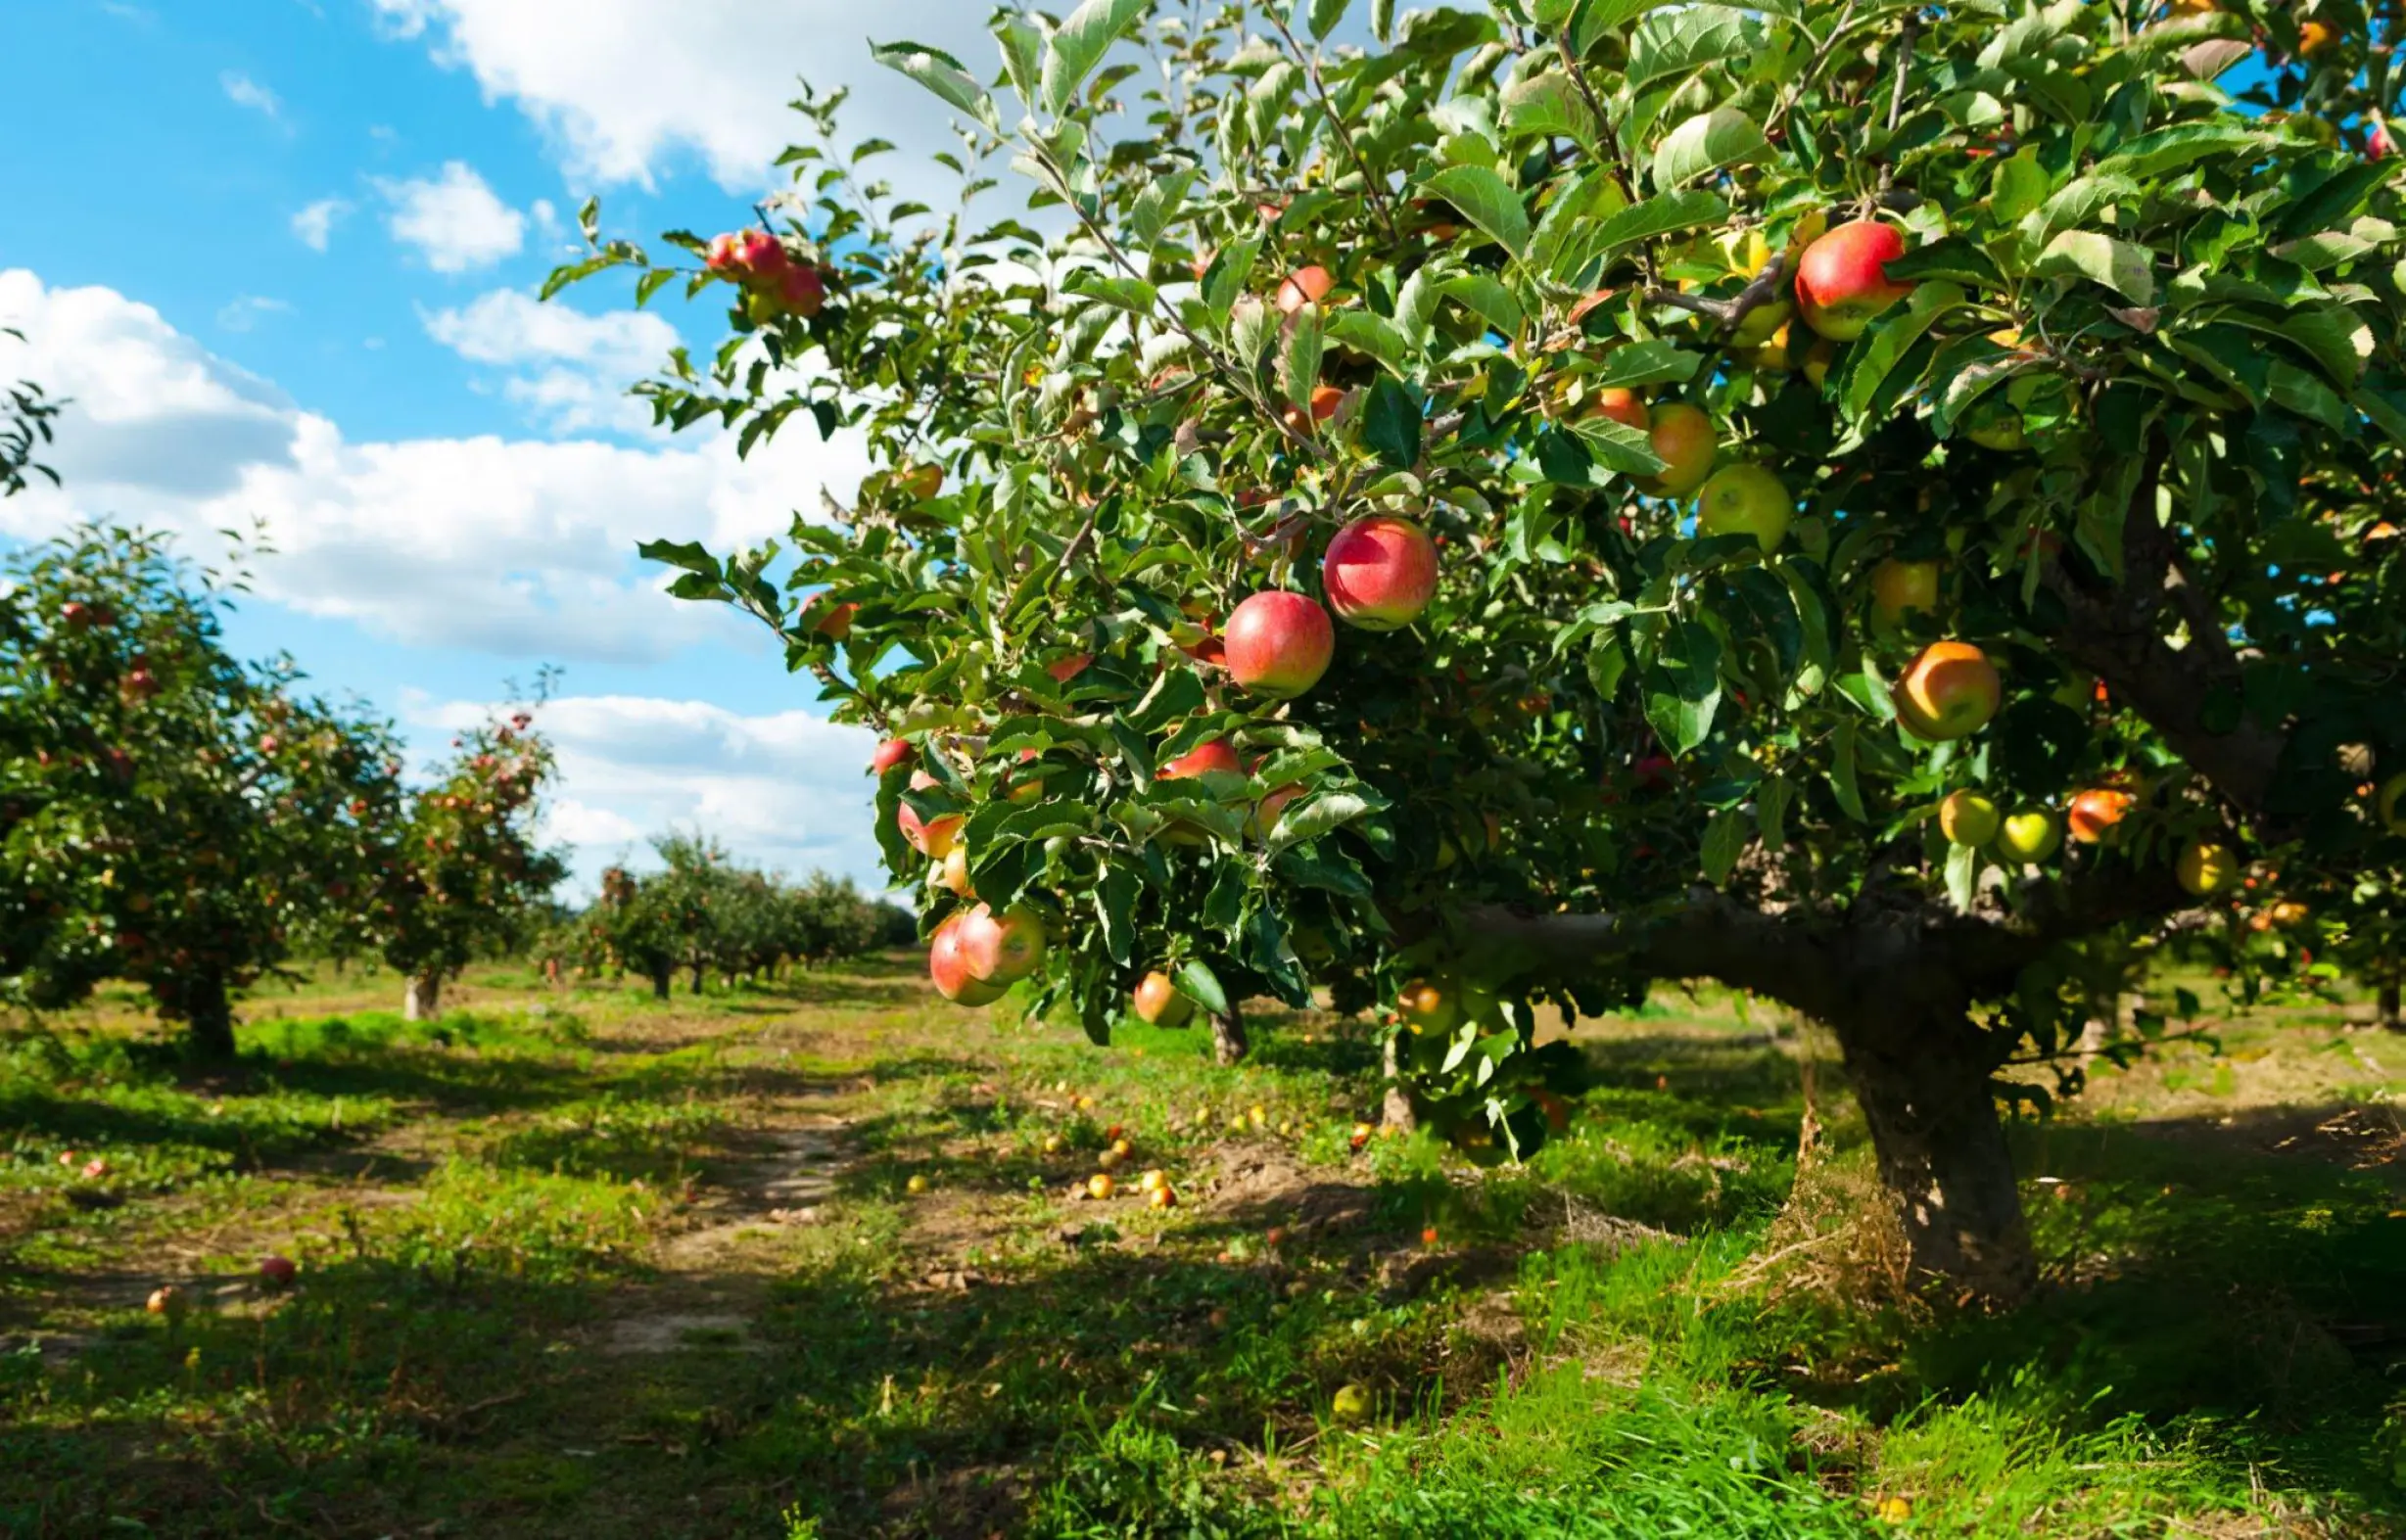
[1228,1041]
[208,1017]
[422,998]
[1922,1080]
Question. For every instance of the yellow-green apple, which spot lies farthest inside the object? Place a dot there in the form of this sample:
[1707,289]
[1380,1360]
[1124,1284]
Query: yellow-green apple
[2093,813]
[1428,1005]
[920,482]
[1100,1185]
[1380,573]
[2391,805]
[1684,439]
[1158,1002]
[1950,690]
[1761,324]
[1279,643]
[1163,1196]
[1622,406]
[1997,427]
[1901,585]
[933,840]
[890,753]
[950,969]
[1842,280]
[1350,1404]
[1217,755]
[2206,867]
[165,1300]
[2289,912]
[2029,834]
[1745,499]
[917,1186]
[953,875]
[1966,817]
[1001,949]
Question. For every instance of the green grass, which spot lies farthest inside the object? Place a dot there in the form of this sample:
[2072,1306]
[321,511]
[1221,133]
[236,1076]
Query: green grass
[543,1291]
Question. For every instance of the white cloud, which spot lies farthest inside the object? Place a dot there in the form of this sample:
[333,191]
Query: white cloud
[315,225]
[633,83]
[243,313]
[454,220]
[517,547]
[570,370]
[787,790]
[243,91]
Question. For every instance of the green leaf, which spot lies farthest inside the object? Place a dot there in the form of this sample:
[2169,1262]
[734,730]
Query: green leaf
[1658,217]
[1391,423]
[1618,445]
[1842,770]
[1772,801]
[2016,186]
[1133,295]
[1022,54]
[1492,299]
[1299,364]
[1382,19]
[1724,840]
[1651,362]
[1072,53]
[1962,875]
[1549,104]
[1115,907]
[1683,685]
[1310,819]
[1487,202]
[1706,142]
[1228,275]
[1375,334]
[1893,337]
[1199,983]
[2117,265]
[1681,42]
[2166,150]
[1325,15]
[940,73]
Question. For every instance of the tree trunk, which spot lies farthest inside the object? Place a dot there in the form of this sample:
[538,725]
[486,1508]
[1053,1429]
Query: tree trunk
[697,978]
[1395,1110]
[660,977]
[1228,1042]
[2388,1005]
[422,998]
[210,1016]
[1922,1082]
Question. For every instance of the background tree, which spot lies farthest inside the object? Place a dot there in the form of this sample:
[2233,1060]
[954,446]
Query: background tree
[1773,424]
[169,814]
[460,876]
[26,419]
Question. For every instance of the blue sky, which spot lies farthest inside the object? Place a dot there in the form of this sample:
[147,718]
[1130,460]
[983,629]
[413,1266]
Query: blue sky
[282,254]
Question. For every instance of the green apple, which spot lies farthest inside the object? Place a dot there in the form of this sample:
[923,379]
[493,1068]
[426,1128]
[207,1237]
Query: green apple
[2029,835]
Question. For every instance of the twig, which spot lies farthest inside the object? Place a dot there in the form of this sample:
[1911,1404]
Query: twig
[1904,60]
[1603,119]
[1345,136]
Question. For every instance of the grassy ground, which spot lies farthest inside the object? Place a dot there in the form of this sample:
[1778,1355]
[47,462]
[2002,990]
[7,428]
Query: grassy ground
[580,1264]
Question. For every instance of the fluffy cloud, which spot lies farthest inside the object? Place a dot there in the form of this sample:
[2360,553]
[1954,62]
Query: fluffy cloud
[453,219]
[517,547]
[315,225]
[567,370]
[785,790]
[633,82]
[243,91]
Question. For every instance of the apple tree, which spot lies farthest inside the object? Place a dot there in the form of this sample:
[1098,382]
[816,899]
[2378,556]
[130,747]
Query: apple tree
[460,874]
[170,814]
[1475,509]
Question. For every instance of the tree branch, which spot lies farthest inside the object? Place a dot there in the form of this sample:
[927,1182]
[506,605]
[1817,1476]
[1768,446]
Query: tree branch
[1345,136]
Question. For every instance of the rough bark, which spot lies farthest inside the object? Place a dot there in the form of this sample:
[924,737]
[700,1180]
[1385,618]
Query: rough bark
[1395,1108]
[422,998]
[1229,1044]
[208,1017]
[660,977]
[1922,1081]
[2387,1005]
[697,978]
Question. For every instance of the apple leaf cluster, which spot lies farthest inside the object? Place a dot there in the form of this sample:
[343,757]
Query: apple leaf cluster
[1816,409]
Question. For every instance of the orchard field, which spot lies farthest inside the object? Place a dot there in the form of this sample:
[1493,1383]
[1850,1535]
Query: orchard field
[577,1261]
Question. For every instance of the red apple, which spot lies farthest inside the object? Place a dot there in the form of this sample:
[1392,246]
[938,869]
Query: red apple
[890,753]
[1158,1002]
[1380,573]
[1216,755]
[932,840]
[1304,286]
[1745,499]
[1682,436]
[948,966]
[1427,1005]
[1622,406]
[1264,816]
[1842,280]
[1001,949]
[2092,815]
[1950,690]
[800,290]
[1279,643]
[277,1272]
[1063,669]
